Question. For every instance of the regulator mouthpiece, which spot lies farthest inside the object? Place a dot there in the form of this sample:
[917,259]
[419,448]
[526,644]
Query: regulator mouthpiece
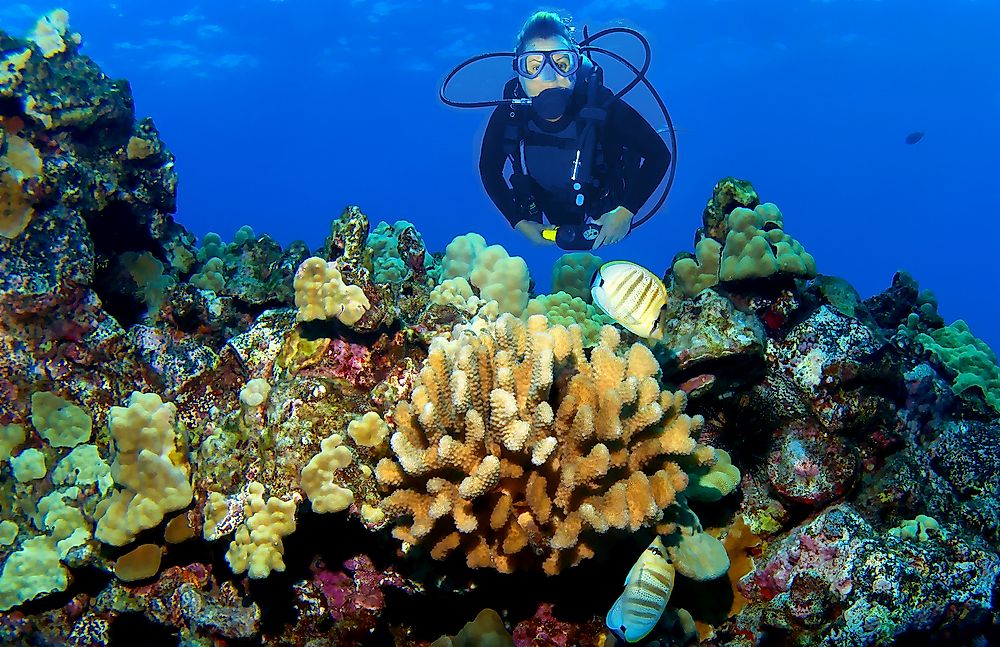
[552,103]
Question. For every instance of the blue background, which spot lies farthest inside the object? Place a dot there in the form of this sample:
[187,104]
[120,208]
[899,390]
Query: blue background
[282,112]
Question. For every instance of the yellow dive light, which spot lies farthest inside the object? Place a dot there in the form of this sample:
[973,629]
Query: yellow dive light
[550,234]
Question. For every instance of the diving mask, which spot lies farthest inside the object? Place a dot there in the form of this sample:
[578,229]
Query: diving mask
[565,62]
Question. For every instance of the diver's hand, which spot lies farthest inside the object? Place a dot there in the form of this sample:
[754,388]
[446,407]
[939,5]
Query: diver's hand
[615,225]
[533,231]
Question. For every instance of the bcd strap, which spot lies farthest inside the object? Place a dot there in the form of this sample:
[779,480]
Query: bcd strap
[514,128]
[532,138]
[594,113]
[516,132]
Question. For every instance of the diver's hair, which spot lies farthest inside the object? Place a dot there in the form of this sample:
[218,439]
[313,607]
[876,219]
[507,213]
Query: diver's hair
[544,24]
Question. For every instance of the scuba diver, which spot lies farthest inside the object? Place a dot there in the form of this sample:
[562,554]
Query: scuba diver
[583,161]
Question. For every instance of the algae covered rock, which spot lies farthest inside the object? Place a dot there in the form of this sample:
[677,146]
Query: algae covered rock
[708,329]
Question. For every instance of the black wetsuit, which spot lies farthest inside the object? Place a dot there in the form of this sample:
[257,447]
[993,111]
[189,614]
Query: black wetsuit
[549,148]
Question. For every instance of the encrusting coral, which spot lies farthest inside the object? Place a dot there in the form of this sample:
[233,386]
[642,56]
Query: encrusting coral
[517,447]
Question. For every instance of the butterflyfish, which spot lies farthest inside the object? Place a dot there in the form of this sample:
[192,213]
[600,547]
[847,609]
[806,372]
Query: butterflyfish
[631,295]
[647,590]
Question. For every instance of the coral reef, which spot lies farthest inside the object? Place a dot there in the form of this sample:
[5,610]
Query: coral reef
[972,361]
[572,273]
[837,577]
[741,239]
[232,442]
[496,275]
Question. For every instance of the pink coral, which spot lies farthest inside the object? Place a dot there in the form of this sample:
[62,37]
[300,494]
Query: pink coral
[346,361]
[356,599]
[545,629]
[814,554]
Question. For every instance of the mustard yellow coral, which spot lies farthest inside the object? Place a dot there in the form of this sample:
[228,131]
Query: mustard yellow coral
[12,70]
[494,456]
[369,430]
[139,148]
[320,293]
[562,309]
[257,548]
[20,164]
[692,275]
[573,272]
[319,476]
[154,479]
[756,246]
[50,33]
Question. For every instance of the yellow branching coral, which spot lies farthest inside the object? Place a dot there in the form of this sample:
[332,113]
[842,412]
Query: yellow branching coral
[518,448]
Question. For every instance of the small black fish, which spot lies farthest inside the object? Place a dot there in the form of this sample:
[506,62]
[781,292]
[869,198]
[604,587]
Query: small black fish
[914,137]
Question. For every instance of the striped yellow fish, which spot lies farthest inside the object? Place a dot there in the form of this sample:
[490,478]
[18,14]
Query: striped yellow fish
[647,591]
[631,295]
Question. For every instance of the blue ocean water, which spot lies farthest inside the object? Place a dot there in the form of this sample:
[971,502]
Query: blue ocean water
[280,113]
